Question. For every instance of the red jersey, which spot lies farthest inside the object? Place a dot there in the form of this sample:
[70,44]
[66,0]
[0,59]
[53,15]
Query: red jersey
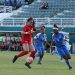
[27,37]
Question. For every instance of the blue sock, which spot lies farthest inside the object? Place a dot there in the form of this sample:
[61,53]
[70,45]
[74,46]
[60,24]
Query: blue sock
[61,58]
[68,63]
[40,59]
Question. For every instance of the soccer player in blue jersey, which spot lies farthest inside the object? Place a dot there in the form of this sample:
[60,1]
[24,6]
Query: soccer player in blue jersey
[58,38]
[40,39]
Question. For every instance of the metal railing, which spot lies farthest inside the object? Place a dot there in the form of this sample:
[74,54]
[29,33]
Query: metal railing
[48,22]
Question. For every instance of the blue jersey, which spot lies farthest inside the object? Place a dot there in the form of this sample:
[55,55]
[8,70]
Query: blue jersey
[40,39]
[58,39]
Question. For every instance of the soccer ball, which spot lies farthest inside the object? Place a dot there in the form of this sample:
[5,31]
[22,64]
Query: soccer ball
[29,60]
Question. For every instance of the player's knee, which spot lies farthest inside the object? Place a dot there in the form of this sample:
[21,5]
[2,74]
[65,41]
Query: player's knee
[40,54]
[65,57]
[26,51]
[33,51]
[69,57]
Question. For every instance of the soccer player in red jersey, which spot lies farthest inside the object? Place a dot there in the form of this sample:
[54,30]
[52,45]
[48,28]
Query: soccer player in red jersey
[27,41]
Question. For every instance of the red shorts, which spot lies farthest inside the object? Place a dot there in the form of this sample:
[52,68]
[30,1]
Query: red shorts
[27,42]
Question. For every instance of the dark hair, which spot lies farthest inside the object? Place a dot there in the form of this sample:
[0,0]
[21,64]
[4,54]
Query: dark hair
[42,26]
[33,23]
[29,19]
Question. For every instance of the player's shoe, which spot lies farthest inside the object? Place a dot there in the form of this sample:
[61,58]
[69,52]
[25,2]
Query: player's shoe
[39,63]
[70,68]
[14,59]
[28,65]
[61,60]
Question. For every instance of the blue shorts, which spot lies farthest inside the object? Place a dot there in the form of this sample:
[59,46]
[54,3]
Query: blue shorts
[39,49]
[63,51]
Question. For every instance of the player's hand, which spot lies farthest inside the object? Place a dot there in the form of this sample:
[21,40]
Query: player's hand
[47,46]
[29,32]
[26,32]
[32,31]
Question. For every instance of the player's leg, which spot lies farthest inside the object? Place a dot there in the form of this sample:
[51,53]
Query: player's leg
[32,50]
[61,58]
[62,54]
[32,54]
[41,56]
[22,53]
[67,57]
[67,53]
[38,53]
[37,50]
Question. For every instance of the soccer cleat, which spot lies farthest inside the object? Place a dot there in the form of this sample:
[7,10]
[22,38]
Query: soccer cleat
[28,65]
[39,63]
[70,68]
[14,59]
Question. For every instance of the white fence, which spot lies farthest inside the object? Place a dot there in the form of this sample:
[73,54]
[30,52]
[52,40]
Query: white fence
[48,22]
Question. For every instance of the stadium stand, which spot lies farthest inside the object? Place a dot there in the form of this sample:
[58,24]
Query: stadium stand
[54,7]
[58,11]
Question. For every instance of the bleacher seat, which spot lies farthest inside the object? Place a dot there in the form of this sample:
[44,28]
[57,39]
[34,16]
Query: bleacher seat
[55,7]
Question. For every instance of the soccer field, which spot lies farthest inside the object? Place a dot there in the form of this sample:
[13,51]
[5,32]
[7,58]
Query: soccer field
[51,65]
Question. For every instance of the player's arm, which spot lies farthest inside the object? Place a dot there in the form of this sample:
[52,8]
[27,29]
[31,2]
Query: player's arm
[35,38]
[36,30]
[28,32]
[45,41]
[25,32]
[47,44]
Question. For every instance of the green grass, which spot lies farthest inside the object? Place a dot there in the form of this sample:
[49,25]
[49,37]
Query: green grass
[51,65]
